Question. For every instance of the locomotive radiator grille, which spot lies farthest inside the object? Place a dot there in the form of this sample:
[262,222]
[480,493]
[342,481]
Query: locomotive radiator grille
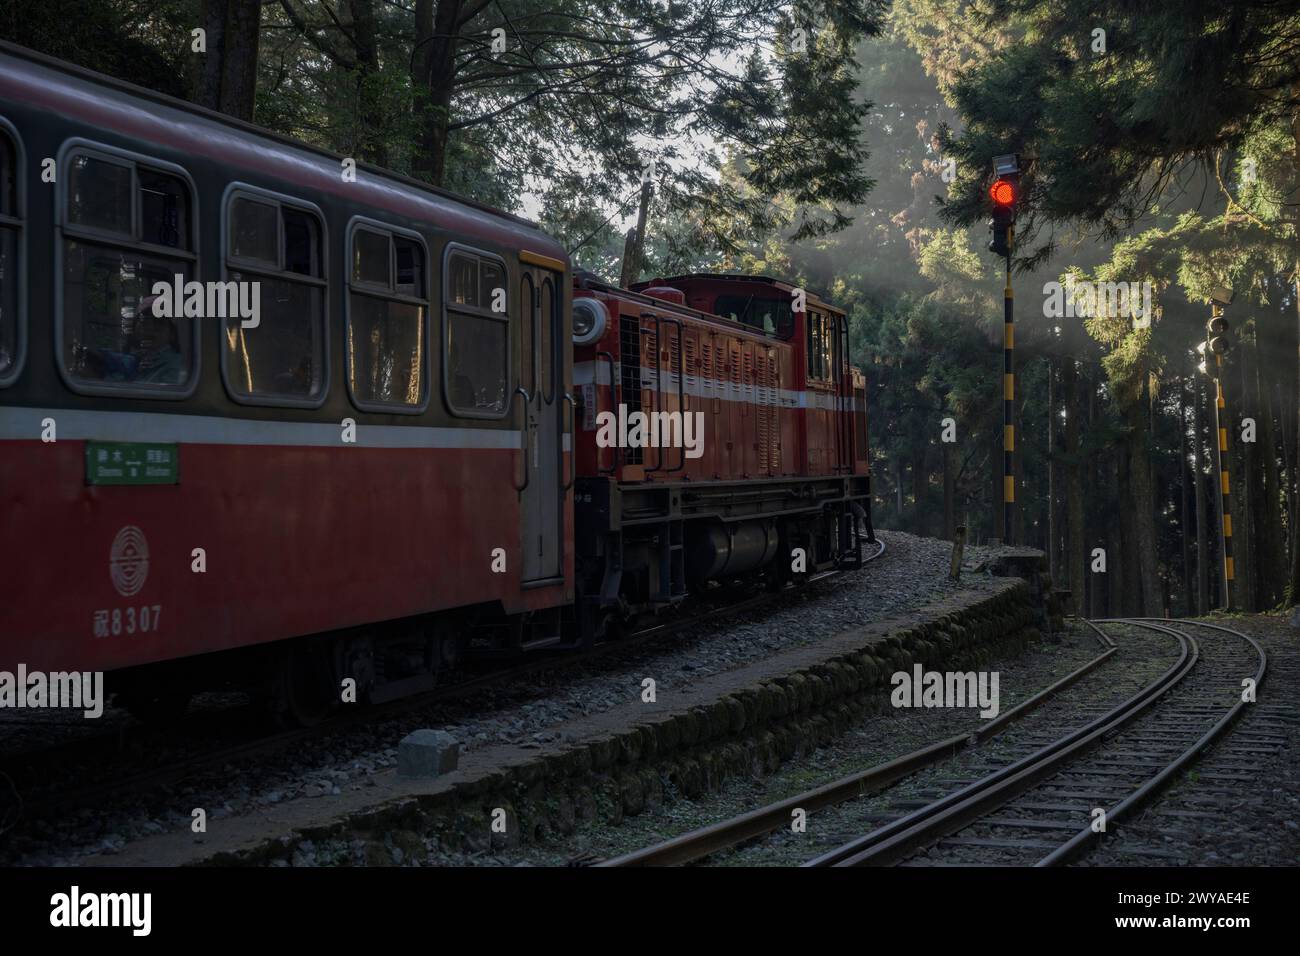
[629,350]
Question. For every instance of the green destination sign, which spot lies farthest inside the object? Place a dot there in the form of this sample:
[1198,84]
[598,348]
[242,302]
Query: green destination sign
[132,463]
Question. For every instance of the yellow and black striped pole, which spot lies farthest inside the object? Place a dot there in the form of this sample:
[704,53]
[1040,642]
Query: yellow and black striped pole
[1008,403]
[1008,406]
[1221,425]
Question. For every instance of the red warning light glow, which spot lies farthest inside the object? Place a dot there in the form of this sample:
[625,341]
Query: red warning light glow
[1003,193]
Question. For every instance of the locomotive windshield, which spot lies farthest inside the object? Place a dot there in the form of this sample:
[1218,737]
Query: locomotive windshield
[769,316]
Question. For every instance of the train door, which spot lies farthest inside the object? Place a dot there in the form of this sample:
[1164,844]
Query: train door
[542,384]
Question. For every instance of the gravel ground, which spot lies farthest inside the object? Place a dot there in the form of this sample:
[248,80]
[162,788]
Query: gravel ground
[874,740]
[911,574]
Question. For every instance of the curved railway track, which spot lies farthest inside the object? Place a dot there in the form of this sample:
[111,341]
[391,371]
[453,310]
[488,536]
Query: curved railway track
[33,778]
[1038,800]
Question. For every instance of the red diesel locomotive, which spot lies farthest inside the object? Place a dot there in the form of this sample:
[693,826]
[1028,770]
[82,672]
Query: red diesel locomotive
[780,480]
[384,463]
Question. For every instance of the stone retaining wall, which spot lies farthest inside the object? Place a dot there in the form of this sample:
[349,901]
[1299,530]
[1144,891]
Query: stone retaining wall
[692,748]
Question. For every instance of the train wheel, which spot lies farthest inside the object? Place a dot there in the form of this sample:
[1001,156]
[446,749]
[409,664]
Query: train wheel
[304,691]
[614,626]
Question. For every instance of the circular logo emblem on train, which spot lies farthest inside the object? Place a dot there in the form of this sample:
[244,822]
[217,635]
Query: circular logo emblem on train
[128,561]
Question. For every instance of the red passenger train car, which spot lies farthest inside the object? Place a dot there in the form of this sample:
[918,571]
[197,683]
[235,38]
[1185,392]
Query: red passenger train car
[173,489]
[273,419]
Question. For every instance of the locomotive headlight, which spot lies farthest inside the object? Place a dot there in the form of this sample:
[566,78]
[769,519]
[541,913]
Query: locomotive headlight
[589,321]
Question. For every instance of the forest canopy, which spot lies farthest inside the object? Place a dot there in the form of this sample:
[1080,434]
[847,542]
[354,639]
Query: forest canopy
[845,145]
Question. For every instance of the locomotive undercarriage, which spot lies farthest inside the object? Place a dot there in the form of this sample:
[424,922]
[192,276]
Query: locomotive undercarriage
[644,547]
[299,681]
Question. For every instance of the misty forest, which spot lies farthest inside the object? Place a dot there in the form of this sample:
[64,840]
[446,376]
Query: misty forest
[845,145]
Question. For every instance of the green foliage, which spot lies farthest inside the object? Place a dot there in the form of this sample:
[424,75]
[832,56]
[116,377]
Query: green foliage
[146,42]
[578,96]
[1110,134]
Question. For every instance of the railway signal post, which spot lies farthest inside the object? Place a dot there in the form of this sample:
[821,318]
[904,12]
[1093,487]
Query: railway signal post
[1003,192]
[1216,344]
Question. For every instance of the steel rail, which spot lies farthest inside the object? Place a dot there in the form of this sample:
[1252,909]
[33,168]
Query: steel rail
[1084,840]
[708,840]
[955,811]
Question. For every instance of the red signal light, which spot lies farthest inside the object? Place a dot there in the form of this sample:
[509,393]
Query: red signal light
[1002,193]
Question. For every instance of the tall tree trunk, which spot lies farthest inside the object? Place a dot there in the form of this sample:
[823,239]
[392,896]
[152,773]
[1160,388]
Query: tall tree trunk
[898,490]
[1142,488]
[1293,585]
[437,35]
[1096,473]
[1184,495]
[1274,542]
[227,78]
[1051,470]
[1117,566]
[1252,486]
[949,494]
[1202,513]
[1256,479]
[1076,544]
[634,250]
[1293,588]
[371,143]
[920,482]
[1291,486]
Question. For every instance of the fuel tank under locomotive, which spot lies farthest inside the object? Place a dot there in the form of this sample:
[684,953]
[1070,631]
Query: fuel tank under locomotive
[716,550]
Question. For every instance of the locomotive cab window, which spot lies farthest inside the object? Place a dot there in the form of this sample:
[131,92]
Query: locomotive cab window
[770,316]
[11,241]
[275,267]
[476,371]
[819,346]
[387,319]
[127,241]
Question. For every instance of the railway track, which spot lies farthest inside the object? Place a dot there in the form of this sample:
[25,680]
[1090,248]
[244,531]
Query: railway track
[1034,784]
[34,778]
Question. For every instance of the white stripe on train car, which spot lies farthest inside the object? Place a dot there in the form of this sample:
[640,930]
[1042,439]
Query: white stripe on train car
[588,373]
[19,424]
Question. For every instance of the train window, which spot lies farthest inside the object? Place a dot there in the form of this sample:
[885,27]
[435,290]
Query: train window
[476,373]
[814,343]
[462,279]
[255,230]
[273,254]
[164,211]
[820,343]
[301,242]
[528,355]
[8,178]
[372,257]
[100,193]
[546,367]
[409,265]
[387,321]
[769,316]
[127,227]
[491,277]
[11,224]
[828,340]
[832,348]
